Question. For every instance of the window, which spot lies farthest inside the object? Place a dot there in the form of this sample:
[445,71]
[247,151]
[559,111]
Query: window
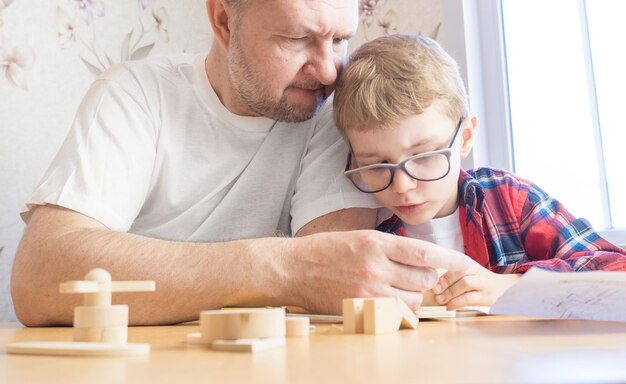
[557,83]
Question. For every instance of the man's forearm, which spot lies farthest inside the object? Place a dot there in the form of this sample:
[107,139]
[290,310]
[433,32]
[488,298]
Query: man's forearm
[190,277]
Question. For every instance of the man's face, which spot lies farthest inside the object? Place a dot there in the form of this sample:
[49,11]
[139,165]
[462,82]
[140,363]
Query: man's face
[413,201]
[285,55]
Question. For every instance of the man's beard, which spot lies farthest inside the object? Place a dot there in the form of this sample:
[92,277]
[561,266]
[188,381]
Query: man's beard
[255,95]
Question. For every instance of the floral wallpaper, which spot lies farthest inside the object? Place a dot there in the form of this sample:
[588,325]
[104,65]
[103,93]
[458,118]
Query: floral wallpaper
[384,17]
[51,51]
[77,31]
[14,59]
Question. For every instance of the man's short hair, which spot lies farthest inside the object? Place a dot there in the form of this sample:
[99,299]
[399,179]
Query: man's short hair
[393,77]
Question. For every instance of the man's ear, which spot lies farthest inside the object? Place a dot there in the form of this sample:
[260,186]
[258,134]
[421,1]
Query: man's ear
[467,136]
[220,13]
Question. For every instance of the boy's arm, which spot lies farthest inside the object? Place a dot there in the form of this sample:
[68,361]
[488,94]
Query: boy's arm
[554,239]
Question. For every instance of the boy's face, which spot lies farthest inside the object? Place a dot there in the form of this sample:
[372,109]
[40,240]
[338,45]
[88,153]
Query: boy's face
[414,201]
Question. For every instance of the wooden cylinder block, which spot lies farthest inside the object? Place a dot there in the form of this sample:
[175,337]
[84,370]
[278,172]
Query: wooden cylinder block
[297,326]
[100,317]
[242,324]
[117,335]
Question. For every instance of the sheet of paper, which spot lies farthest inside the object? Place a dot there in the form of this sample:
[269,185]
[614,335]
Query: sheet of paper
[597,295]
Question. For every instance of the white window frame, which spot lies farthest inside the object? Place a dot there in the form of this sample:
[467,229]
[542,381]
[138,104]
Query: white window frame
[472,33]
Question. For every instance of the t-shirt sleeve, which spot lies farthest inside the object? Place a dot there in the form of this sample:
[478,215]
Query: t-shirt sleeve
[321,187]
[103,168]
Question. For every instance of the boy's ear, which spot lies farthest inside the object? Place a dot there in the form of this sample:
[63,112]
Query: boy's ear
[220,13]
[467,136]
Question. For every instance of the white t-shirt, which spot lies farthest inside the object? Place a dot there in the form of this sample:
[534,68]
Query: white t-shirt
[153,151]
[444,231]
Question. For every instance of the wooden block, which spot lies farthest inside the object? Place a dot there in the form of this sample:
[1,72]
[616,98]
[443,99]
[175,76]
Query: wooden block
[115,335]
[77,349]
[242,324]
[100,329]
[248,345]
[381,315]
[432,308]
[434,312]
[195,339]
[352,311]
[100,317]
[297,326]
[133,286]
[78,286]
[318,319]
[409,319]
[429,298]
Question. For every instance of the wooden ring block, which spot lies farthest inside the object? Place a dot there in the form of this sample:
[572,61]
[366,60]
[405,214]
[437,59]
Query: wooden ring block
[76,348]
[242,324]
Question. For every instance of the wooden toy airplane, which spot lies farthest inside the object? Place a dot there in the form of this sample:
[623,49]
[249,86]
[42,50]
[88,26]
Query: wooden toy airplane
[100,329]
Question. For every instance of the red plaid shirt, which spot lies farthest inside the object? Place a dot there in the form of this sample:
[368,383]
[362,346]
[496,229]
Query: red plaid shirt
[510,225]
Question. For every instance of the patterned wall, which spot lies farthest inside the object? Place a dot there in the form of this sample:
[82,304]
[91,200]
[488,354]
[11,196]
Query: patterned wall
[50,51]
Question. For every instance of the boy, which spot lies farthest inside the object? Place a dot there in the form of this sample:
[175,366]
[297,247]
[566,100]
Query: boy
[402,106]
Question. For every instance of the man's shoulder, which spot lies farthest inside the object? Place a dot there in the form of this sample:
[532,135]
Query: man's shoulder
[153,69]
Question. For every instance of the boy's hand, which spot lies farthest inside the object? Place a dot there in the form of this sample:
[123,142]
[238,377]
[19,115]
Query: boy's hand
[474,286]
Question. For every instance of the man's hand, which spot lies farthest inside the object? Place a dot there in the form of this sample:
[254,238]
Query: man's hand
[473,286]
[336,265]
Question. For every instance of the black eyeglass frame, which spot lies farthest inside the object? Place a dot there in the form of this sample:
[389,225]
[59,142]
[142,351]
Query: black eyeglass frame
[447,152]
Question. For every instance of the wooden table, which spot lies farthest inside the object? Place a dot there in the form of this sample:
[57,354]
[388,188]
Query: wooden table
[492,349]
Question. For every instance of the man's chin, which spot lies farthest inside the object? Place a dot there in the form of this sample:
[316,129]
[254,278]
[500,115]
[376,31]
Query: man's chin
[298,113]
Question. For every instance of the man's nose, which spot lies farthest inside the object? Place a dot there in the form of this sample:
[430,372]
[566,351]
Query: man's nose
[324,64]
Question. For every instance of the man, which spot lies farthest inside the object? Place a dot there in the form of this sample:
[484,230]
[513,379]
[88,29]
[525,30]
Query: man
[169,163]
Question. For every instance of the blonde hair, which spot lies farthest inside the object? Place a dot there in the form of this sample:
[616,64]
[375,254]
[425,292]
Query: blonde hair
[393,77]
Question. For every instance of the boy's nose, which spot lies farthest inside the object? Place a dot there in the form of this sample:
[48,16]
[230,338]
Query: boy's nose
[402,182]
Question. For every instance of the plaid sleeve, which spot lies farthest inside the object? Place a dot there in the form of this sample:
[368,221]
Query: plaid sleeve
[557,241]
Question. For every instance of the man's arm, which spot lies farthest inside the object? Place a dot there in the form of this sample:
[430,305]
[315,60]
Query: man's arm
[314,271]
[344,220]
[60,244]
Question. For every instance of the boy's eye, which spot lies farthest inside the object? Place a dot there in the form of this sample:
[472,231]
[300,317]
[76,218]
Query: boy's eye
[367,163]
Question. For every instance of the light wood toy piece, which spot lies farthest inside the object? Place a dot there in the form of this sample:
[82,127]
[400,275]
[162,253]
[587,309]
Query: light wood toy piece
[248,345]
[434,312]
[297,326]
[352,310]
[100,329]
[429,296]
[377,315]
[249,329]
[381,315]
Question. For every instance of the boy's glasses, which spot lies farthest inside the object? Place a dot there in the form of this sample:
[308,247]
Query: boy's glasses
[427,166]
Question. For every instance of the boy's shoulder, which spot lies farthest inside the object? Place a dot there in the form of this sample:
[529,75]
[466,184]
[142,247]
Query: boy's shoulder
[490,178]
[494,182]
